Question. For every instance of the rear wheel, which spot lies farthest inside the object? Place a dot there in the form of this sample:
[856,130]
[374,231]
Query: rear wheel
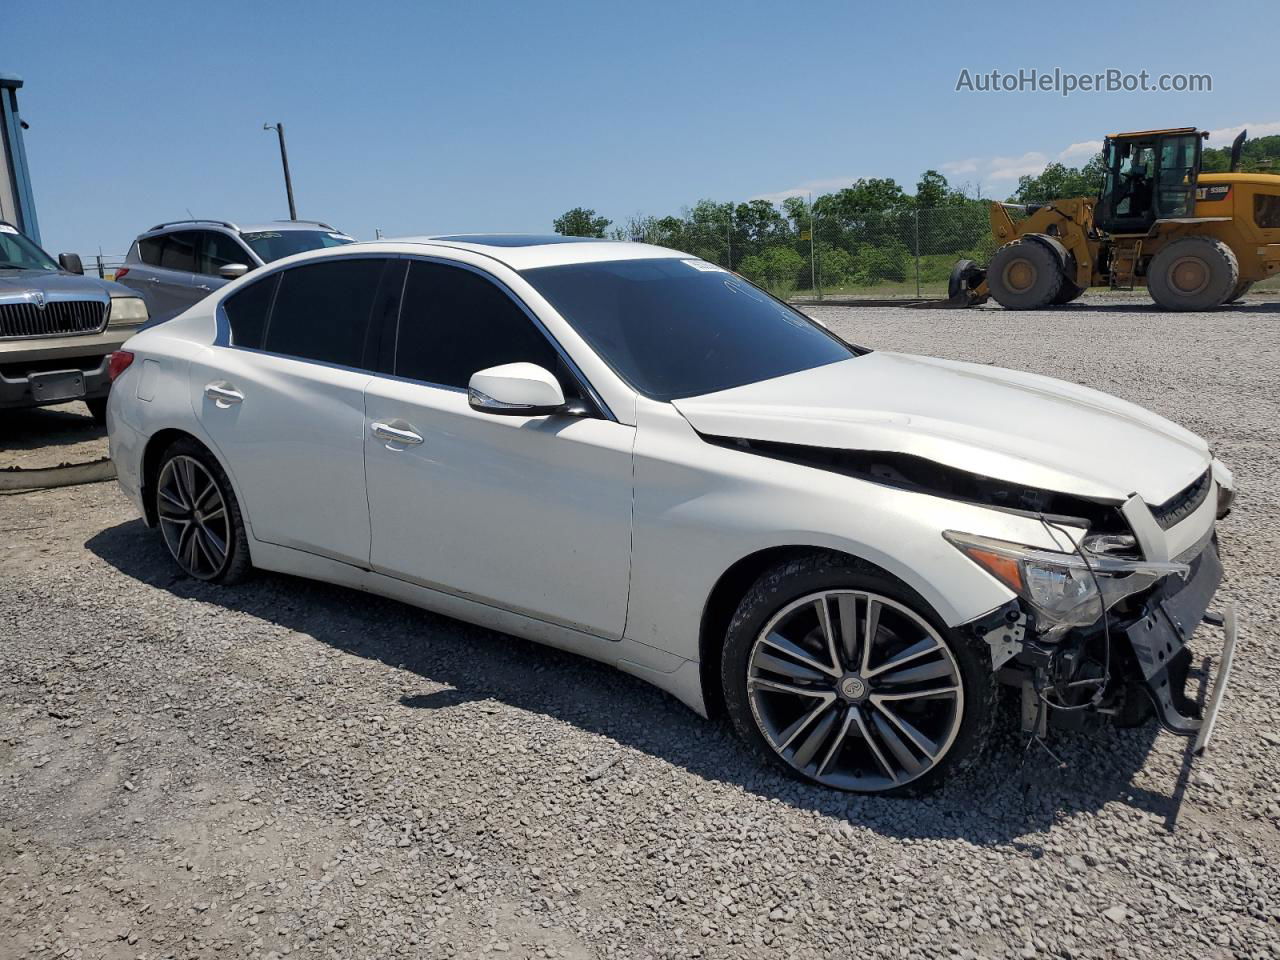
[198,515]
[1194,273]
[1025,275]
[845,677]
[1243,287]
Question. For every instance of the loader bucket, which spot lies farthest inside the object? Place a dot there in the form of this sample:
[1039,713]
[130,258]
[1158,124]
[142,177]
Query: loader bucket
[967,286]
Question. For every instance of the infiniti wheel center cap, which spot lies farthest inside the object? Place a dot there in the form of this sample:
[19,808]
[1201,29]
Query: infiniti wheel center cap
[852,687]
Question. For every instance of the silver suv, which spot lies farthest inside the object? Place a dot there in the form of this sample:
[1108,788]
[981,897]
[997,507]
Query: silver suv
[175,265]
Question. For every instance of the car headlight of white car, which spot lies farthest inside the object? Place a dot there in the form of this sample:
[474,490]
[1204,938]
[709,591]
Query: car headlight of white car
[1065,590]
[127,310]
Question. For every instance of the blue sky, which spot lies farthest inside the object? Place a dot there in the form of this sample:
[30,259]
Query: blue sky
[445,117]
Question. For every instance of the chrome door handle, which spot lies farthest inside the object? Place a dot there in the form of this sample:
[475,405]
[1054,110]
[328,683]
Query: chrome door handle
[201,286]
[223,394]
[153,279]
[393,434]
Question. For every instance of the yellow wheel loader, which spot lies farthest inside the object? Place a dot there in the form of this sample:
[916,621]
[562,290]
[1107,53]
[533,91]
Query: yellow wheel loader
[1194,240]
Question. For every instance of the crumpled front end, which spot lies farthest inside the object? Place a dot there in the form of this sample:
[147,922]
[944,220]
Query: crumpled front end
[1104,628]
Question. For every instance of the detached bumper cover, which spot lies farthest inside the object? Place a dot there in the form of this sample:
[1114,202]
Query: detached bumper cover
[1159,640]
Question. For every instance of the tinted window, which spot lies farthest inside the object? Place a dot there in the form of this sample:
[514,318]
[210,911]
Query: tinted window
[217,250]
[454,323]
[678,328]
[322,311]
[247,312]
[1266,210]
[150,248]
[274,244]
[180,251]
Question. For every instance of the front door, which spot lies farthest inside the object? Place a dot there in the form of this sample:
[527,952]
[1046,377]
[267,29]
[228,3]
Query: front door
[530,514]
[283,403]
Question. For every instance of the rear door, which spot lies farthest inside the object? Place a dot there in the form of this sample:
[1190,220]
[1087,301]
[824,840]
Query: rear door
[166,274]
[281,396]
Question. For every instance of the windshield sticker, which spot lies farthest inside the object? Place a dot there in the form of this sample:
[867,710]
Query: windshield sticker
[704,266]
[5,228]
[261,235]
[343,236]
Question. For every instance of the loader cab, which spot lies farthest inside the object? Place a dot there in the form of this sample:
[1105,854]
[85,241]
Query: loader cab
[1150,176]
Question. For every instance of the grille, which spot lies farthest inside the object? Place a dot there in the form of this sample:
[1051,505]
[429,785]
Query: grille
[58,318]
[1183,504]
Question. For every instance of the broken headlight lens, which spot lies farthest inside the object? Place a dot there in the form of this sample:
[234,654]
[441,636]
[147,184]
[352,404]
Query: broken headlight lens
[1065,589]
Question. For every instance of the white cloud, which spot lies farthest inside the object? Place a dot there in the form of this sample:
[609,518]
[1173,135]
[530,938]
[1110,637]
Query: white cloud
[1224,136]
[958,168]
[806,188]
[1011,168]
[1080,151]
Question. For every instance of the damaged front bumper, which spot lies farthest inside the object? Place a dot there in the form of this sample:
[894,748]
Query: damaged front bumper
[1159,638]
[1145,661]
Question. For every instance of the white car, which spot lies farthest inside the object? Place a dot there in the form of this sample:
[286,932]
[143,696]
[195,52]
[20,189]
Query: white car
[635,455]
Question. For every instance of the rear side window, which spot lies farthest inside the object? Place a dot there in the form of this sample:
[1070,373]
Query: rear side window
[454,323]
[247,312]
[322,311]
[1266,210]
[150,248]
[180,251]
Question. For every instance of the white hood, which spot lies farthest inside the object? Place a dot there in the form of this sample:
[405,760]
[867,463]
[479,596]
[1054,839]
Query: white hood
[1012,426]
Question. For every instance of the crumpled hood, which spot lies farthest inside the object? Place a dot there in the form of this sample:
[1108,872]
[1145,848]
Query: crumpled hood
[999,423]
[58,286]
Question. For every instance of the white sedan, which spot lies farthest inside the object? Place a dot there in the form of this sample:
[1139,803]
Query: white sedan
[635,455]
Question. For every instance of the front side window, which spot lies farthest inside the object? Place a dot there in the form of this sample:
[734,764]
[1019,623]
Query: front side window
[322,311]
[454,322]
[1266,210]
[179,251]
[217,250]
[677,328]
[273,244]
[19,253]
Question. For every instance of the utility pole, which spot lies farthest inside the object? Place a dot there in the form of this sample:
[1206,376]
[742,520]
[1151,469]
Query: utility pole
[284,162]
[813,260]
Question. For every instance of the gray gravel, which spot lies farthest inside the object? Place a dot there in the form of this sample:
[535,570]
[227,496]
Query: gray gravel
[292,768]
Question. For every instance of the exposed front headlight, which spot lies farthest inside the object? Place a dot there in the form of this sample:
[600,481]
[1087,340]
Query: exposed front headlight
[127,310]
[1065,590]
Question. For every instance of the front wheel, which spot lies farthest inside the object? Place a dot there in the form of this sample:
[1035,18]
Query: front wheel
[1025,275]
[199,516]
[847,678]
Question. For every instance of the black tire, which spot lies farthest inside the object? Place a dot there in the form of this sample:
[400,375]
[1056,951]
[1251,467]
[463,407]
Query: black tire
[1068,292]
[97,409]
[1194,273]
[1025,275]
[234,563]
[797,579]
[1243,287]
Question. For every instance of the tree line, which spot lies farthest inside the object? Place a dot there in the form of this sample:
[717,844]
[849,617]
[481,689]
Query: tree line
[872,232]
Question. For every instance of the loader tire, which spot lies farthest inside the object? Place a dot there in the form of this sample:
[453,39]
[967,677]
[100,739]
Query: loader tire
[1025,275]
[1194,273]
[1243,287]
[1068,292]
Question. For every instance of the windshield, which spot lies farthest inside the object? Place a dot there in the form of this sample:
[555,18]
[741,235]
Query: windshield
[680,328]
[19,253]
[274,244]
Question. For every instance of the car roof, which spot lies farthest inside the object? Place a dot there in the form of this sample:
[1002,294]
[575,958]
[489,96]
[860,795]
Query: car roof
[278,226]
[530,251]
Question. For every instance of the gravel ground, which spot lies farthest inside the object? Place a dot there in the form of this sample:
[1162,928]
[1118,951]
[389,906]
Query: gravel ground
[50,437]
[292,768]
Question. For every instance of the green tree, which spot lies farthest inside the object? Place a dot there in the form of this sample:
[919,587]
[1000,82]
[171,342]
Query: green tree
[580,222]
[1259,155]
[1058,182]
[777,269]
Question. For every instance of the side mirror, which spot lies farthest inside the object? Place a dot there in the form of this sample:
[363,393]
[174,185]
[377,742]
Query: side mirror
[232,271]
[70,262]
[516,390]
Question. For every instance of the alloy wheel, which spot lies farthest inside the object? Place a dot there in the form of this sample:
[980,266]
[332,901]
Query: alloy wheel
[855,690]
[193,517]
